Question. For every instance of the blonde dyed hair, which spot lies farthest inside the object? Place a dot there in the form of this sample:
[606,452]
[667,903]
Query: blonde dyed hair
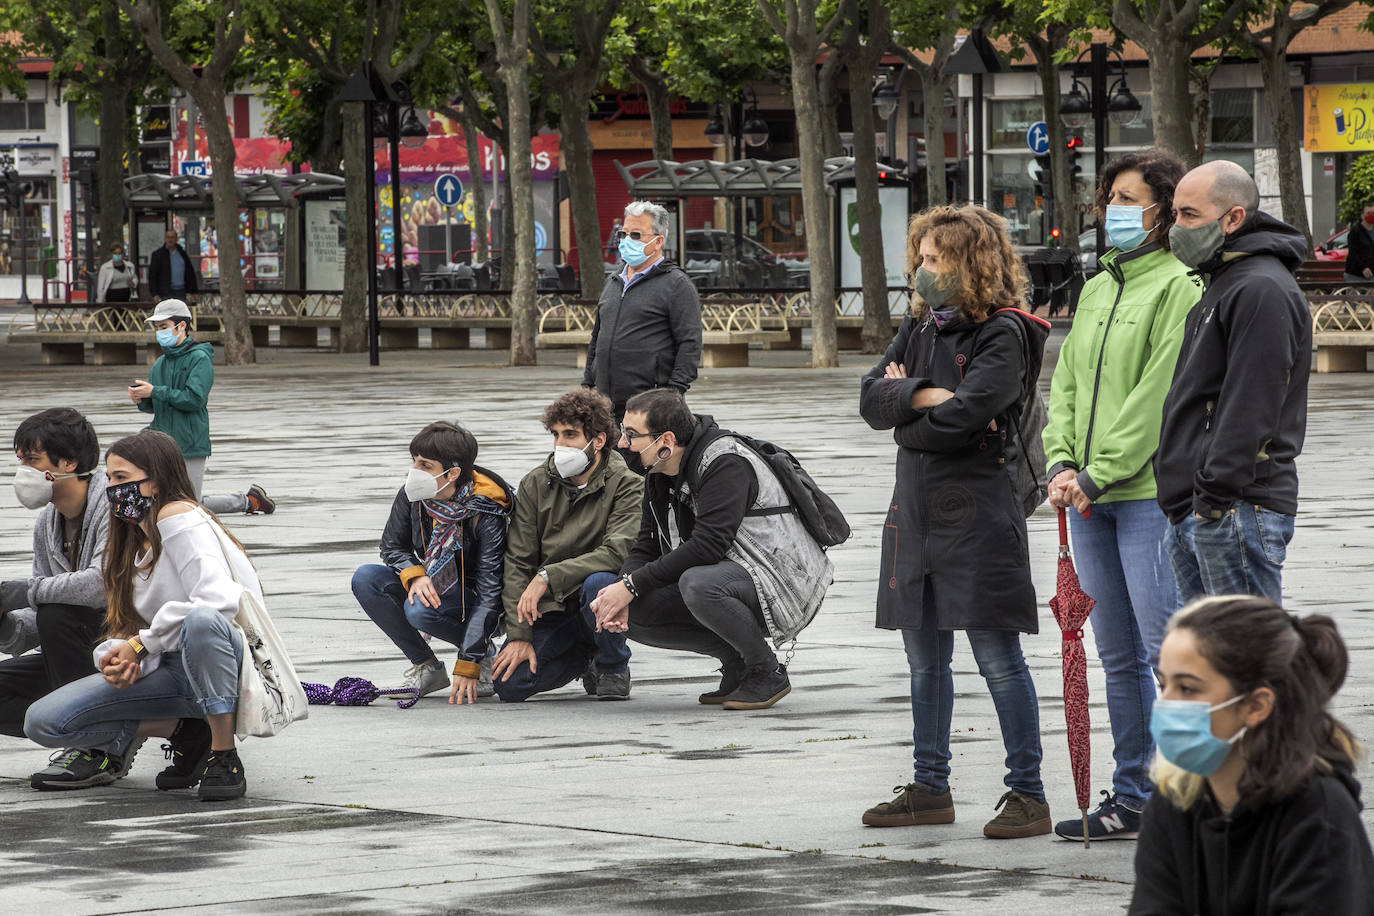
[976,249]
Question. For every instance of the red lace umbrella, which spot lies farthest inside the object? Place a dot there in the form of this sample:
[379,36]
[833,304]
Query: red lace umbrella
[1071,606]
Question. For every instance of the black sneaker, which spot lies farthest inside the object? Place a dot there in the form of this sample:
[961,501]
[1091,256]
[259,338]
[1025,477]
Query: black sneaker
[615,686]
[763,685]
[731,674]
[223,776]
[1112,820]
[74,768]
[589,678]
[259,503]
[187,748]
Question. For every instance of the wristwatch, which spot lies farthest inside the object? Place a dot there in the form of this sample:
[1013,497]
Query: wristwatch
[544,574]
[140,650]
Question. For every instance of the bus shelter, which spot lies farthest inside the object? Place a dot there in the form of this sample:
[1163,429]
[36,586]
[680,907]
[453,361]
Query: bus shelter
[290,227]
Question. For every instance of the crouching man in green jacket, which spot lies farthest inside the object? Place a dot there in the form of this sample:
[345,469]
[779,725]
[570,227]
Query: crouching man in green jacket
[177,394]
[575,517]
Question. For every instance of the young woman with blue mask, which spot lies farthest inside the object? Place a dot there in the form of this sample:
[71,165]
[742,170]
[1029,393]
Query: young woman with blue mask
[1105,407]
[1256,809]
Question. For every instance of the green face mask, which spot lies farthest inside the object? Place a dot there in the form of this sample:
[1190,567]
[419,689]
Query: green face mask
[932,290]
[1196,245]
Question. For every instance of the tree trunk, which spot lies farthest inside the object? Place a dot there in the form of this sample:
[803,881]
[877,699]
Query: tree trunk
[877,329]
[114,133]
[237,336]
[1170,101]
[507,216]
[816,207]
[576,150]
[357,233]
[1273,61]
[476,186]
[933,120]
[1063,215]
[828,95]
[660,116]
[1204,110]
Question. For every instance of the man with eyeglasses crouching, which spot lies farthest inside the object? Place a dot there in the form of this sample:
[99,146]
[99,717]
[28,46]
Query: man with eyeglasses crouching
[648,322]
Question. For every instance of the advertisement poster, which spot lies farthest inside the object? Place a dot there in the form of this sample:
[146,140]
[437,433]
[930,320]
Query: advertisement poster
[324,244]
[1338,117]
[893,201]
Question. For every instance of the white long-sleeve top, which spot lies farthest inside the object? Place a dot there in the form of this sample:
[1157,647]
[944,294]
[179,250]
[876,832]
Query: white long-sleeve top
[192,572]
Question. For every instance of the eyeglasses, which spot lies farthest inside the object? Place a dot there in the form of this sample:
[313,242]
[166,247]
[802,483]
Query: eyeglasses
[621,234]
[630,437]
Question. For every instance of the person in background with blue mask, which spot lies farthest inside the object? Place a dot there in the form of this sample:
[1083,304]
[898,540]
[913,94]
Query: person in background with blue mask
[1104,418]
[575,517]
[1256,809]
[177,394]
[648,322]
[117,280]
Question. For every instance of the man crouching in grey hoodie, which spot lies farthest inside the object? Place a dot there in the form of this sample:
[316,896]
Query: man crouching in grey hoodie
[59,608]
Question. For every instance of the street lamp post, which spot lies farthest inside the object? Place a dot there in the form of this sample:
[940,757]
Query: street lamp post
[1075,109]
[743,129]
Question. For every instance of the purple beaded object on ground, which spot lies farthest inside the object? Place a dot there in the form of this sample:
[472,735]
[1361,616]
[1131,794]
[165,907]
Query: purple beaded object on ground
[354,691]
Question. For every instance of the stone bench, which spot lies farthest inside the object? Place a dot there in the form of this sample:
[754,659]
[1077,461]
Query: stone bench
[1342,332]
[108,348]
[396,332]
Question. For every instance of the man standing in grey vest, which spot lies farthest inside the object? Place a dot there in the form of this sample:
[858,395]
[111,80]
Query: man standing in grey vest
[648,322]
[744,568]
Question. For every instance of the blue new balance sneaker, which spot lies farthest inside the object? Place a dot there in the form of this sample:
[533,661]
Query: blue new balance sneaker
[1113,820]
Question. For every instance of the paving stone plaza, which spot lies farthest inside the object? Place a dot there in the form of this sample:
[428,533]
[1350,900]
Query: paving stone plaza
[562,804]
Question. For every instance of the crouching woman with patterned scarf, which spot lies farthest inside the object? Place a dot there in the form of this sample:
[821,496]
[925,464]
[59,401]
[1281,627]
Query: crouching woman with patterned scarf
[443,550]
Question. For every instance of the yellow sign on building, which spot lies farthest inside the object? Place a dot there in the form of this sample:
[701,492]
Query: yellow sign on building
[1338,118]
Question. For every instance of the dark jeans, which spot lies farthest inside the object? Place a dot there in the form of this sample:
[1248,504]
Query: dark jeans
[1241,553]
[383,598]
[563,643]
[67,634]
[712,610]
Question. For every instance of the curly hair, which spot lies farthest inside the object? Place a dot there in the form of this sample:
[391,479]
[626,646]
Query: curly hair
[586,410]
[1161,171]
[974,243]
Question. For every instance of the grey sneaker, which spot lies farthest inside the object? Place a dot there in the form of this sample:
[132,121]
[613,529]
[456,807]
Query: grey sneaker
[74,768]
[426,679]
[613,686]
[484,685]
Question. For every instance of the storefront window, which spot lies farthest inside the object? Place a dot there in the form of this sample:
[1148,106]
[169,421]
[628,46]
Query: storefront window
[1232,114]
[1009,119]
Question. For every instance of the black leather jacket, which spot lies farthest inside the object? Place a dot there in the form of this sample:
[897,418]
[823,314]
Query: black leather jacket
[483,543]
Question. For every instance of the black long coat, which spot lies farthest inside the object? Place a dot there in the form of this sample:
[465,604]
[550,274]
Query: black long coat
[954,531]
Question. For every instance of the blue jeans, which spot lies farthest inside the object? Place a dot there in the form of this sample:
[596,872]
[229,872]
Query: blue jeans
[998,653]
[1123,564]
[563,643]
[199,679]
[1241,553]
[379,590]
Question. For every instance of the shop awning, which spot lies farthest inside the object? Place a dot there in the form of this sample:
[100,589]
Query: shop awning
[709,178]
[194,192]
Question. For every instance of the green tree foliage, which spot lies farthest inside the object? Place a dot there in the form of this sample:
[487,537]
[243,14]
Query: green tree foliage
[1359,189]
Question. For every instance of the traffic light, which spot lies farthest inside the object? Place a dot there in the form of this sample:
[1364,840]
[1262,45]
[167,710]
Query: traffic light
[1041,174]
[1054,238]
[1075,151]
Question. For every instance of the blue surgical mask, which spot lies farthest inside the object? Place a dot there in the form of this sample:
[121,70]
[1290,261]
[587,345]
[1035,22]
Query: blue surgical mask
[118,258]
[632,252]
[1124,225]
[167,337]
[1182,730]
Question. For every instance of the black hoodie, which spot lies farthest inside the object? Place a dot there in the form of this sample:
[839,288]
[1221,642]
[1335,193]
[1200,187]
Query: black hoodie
[1236,413]
[1304,854]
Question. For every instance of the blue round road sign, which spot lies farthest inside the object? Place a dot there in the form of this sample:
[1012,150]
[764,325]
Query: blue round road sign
[1038,138]
[448,190]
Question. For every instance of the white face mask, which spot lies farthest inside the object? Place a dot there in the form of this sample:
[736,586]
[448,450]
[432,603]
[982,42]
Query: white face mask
[570,461]
[420,485]
[33,488]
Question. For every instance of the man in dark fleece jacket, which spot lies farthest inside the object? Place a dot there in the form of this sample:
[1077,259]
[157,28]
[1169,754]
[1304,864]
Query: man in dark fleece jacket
[648,322]
[1236,413]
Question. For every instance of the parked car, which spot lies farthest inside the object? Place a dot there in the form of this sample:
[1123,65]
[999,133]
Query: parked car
[1334,248]
[759,267]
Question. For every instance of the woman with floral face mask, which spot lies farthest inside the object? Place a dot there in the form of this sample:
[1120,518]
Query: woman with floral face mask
[950,387]
[1105,404]
[170,665]
[1256,809]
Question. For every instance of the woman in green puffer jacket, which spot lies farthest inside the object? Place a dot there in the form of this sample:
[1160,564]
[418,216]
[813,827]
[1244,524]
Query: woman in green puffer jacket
[1104,416]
